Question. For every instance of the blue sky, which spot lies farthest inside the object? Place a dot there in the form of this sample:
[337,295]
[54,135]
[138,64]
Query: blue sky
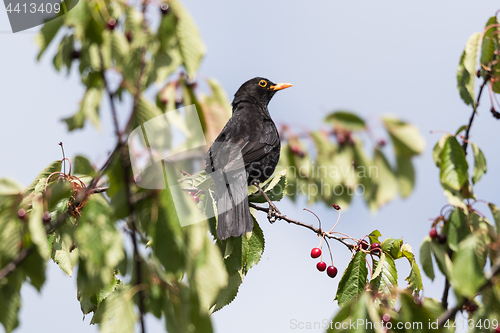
[385,57]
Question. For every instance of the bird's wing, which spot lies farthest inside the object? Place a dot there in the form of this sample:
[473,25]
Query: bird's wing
[228,158]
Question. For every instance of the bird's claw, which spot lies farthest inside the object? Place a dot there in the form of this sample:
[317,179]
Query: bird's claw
[273,214]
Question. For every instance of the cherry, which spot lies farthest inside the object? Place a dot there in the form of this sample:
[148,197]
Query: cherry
[382,142]
[336,207]
[46,217]
[321,266]
[129,36]
[195,198]
[165,8]
[442,238]
[331,271]
[21,213]
[75,54]
[297,151]
[315,253]
[375,247]
[386,318]
[363,244]
[111,24]
[497,330]
[471,308]
[433,233]
[495,113]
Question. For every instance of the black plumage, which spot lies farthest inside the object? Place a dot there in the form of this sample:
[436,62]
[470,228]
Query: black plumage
[246,150]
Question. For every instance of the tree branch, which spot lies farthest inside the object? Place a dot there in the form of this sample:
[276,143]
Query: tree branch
[474,111]
[308,226]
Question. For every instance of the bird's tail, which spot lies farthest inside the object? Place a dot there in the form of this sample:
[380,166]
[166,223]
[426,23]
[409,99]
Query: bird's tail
[234,218]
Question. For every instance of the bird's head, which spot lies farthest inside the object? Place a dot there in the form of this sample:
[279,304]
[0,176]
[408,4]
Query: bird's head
[258,89]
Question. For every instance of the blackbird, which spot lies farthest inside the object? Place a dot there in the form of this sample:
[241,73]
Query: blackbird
[246,150]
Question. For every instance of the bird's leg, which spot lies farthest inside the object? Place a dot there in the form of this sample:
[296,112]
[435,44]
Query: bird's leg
[272,212]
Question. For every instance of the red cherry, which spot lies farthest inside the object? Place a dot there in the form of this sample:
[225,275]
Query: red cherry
[46,217]
[363,244]
[497,330]
[386,318]
[381,142]
[471,308]
[433,233]
[111,24]
[321,266]
[442,238]
[375,247]
[195,198]
[331,271]
[315,253]
[129,36]
[336,207]
[21,213]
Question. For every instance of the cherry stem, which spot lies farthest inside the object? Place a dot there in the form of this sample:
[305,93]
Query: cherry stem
[338,219]
[319,221]
[329,250]
[64,157]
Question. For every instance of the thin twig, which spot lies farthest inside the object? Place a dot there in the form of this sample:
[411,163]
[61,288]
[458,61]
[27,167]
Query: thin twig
[474,108]
[308,226]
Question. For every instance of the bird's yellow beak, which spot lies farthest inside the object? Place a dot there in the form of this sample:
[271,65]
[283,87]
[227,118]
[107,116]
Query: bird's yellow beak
[280,86]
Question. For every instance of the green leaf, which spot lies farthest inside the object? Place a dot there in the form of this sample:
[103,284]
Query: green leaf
[414,278]
[34,267]
[206,272]
[387,184]
[466,72]
[37,231]
[406,138]
[166,31]
[8,188]
[453,165]
[228,294]
[53,167]
[385,275]
[374,235]
[438,148]
[496,215]
[83,166]
[346,120]
[100,247]
[479,164]
[116,313]
[442,259]
[89,109]
[255,244]
[9,306]
[119,45]
[406,175]
[191,46]
[168,243]
[456,228]
[60,253]
[353,281]
[47,33]
[426,257]
[393,247]
[145,111]
[467,274]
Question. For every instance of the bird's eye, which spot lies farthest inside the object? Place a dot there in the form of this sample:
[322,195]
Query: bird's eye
[262,83]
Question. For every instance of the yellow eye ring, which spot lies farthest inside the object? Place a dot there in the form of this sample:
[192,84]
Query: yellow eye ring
[262,83]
